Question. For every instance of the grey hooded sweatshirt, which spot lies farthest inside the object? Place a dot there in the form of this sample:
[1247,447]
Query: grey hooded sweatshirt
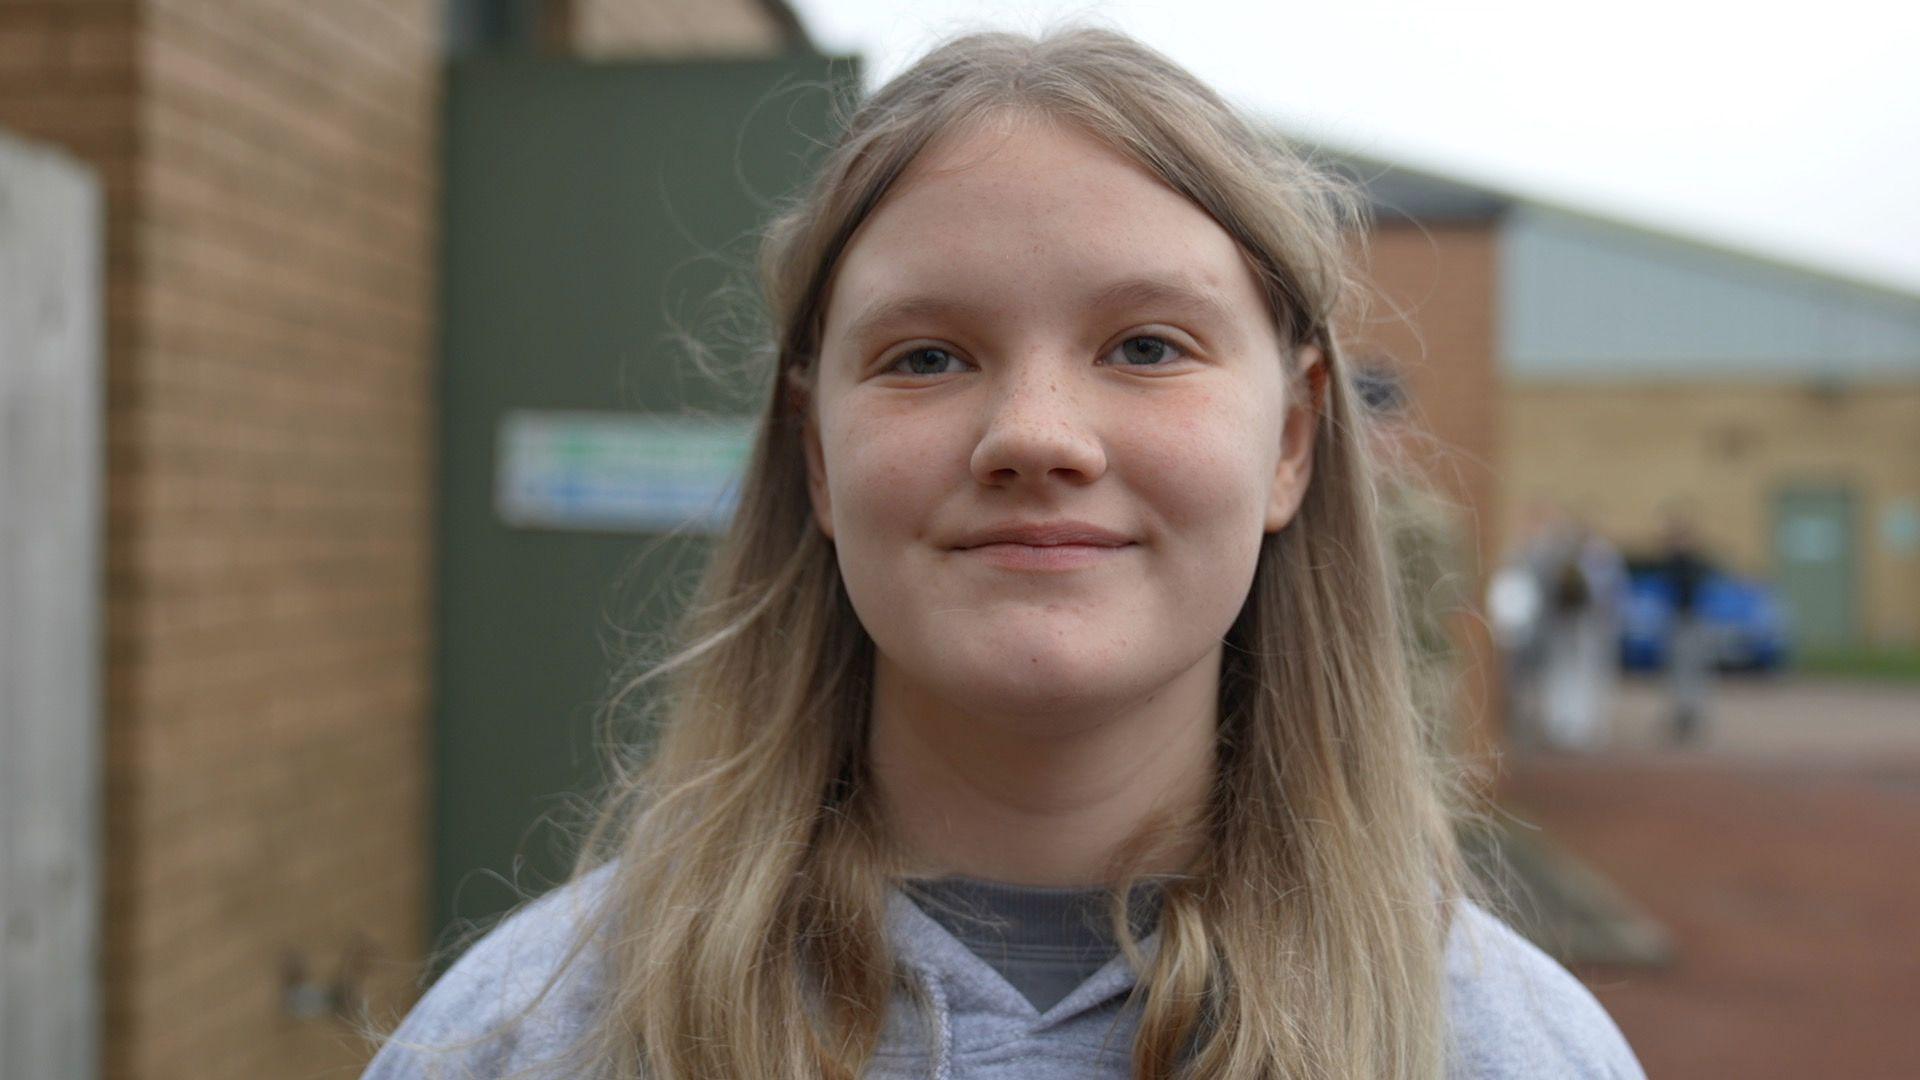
[1515,1012]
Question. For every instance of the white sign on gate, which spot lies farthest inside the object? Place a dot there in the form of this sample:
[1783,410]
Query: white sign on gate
[620,472]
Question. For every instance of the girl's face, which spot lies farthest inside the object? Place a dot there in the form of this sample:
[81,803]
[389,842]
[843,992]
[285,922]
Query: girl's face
[1050,425]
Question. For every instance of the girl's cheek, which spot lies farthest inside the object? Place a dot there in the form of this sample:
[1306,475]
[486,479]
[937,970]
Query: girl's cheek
[887,465]
[1203,460]
[1182,430]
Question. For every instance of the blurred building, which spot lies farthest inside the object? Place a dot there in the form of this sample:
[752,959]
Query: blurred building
[1626,374]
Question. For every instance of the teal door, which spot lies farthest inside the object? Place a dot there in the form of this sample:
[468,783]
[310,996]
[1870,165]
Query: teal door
[1814,563]
[591,212]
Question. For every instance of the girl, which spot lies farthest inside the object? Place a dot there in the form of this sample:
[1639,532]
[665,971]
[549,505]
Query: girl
[1055,586]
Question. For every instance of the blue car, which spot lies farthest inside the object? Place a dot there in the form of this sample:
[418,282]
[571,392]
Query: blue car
[1748,620]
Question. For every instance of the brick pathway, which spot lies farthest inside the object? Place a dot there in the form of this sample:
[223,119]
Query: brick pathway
[1786,866]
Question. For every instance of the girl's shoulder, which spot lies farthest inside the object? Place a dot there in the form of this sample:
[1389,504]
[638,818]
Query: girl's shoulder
[475,1020]
[1517,1013]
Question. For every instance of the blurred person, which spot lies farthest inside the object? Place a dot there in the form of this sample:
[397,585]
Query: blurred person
[1607,575]
[1566,639]
[1584,575]
[1042,711]
[1513,614]
[1517,608]
[1692,649]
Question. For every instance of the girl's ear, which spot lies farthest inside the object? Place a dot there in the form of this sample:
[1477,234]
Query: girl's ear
[1297,437]
[800,400]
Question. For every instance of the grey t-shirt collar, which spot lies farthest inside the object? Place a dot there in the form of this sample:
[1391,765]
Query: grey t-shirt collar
[1045,942]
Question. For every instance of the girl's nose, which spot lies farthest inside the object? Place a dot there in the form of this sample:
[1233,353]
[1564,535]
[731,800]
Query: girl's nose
[1036,429]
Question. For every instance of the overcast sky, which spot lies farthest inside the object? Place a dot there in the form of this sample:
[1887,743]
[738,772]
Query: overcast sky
[1790,130]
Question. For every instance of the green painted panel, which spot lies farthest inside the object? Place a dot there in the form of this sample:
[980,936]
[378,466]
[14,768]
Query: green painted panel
[591,211]
[1814,563]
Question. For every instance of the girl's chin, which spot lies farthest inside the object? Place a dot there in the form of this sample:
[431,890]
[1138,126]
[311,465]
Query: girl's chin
[1035,668]
[1038,686]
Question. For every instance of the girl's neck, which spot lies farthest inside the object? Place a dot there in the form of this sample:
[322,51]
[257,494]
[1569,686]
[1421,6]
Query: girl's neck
[1042,800]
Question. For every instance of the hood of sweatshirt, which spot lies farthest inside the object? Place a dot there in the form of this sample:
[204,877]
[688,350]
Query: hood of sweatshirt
[971,1014]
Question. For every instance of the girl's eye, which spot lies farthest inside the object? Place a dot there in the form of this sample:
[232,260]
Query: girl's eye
[925,360]
[1146,351]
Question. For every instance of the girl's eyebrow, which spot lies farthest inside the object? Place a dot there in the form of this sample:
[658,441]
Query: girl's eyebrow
[906,309]
[1153,292]
[1124,294]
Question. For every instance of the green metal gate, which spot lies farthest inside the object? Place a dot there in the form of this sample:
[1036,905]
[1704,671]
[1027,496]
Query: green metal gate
[591,211]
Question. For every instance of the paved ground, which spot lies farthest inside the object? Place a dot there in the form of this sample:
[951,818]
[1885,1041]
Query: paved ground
[1783,855]
[1766,717]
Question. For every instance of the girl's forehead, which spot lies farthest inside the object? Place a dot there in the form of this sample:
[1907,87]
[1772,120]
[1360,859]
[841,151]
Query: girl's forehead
[1007,149]
[1024,204]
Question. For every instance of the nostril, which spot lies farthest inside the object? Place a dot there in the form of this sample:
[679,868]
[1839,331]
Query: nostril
[1054,452]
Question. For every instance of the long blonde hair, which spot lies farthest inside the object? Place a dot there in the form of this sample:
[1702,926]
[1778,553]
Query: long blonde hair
[743,933]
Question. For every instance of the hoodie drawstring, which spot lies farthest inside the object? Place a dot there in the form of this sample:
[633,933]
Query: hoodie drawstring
[942,1027]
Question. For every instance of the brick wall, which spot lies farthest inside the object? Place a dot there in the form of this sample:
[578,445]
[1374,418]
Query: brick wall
[270,176]
[278,653]
[1432,320]
[1620,451]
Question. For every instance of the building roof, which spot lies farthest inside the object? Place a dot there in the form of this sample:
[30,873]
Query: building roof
[1401,193]
[1583,295]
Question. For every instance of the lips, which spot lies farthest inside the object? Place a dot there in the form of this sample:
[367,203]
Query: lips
[1044,534]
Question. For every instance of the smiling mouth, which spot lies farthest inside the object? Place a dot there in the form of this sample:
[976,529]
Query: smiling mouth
[1008,555]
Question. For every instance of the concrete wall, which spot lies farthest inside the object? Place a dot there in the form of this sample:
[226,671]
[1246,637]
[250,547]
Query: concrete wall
[68,78]
[51,309]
